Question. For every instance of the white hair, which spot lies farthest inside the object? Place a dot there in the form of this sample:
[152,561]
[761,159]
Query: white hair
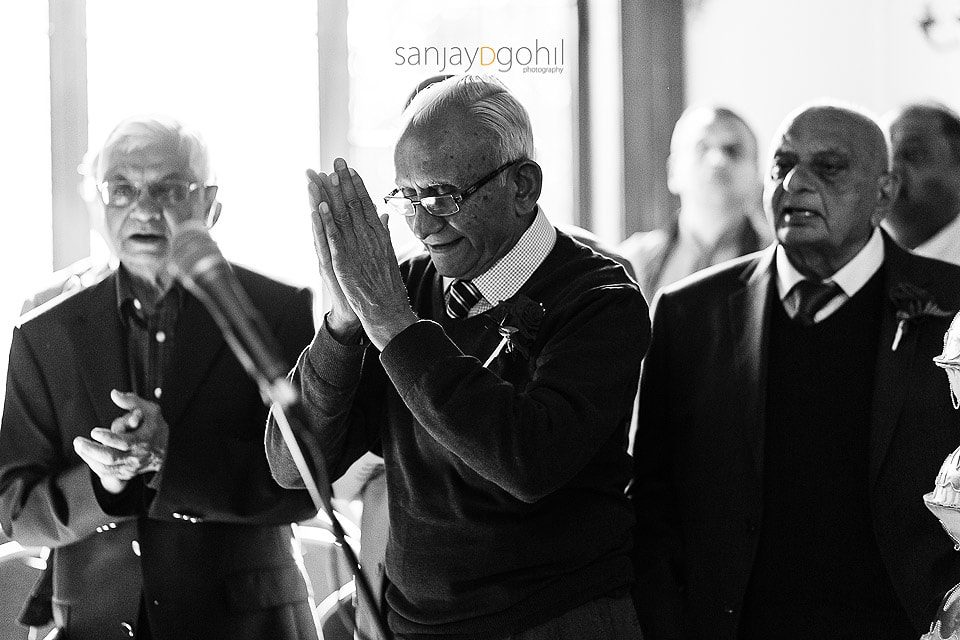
[490,105]
[140,132]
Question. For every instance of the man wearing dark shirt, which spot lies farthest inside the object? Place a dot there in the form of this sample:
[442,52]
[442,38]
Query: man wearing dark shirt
[131,439]
[495,374]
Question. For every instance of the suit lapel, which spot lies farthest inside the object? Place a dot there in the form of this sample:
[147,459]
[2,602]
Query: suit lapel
[892,374]
[197,342]
[749,323]
[97,335]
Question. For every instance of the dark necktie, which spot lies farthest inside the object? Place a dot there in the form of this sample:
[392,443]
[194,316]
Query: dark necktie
[811,297]
[461,296]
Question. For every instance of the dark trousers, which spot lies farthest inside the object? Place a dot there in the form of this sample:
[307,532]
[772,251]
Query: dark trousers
[607,618]
[601,619]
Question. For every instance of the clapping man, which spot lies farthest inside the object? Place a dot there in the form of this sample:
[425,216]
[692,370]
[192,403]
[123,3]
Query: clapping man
[496,375]
[131,439]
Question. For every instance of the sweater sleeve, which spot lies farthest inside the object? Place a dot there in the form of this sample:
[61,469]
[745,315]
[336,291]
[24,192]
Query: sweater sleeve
[532,440]
[327,375]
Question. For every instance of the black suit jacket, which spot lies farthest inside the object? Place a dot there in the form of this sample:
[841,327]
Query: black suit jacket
[699,446]
[211,552]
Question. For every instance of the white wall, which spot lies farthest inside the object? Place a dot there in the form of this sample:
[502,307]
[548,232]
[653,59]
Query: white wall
[765,57]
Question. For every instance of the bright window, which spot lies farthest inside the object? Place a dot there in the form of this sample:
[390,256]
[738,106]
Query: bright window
[245,75]
[25,247]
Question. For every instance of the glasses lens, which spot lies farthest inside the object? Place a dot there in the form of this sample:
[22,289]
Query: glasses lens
[118,193]
[169,193]
[400,206]
[445,205]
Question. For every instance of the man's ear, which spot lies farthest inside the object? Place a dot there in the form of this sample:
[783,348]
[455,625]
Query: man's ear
[888,186]
[213,207]
[528,178]
[673,180]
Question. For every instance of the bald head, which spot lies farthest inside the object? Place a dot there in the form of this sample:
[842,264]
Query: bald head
[713,166]
[828,186]
[925,151]
[853,129]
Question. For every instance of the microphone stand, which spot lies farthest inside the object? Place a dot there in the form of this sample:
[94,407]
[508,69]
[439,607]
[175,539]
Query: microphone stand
[282,399]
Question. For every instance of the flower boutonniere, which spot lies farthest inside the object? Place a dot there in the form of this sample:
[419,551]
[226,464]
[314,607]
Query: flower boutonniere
[519,323]
[913,304]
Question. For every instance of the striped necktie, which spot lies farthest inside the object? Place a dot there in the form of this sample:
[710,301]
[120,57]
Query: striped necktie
[811,297]
[461,296]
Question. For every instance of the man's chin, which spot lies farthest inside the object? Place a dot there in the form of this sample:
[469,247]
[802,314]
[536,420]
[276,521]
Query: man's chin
[450,267]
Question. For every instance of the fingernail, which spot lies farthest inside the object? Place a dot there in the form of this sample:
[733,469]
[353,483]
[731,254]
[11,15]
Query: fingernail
[324,207]
[353,172]
[334,180]
[339,163]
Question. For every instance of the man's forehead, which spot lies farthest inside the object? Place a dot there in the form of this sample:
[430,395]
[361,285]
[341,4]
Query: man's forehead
[825,131]
[916,122]
[723,130]
[440,156]
[151,158]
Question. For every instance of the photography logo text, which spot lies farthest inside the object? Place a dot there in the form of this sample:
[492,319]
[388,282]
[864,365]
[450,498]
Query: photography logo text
[538,57]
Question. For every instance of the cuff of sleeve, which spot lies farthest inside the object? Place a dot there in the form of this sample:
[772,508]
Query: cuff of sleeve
[125,503]
[413,352]
[336,363]
[79,487]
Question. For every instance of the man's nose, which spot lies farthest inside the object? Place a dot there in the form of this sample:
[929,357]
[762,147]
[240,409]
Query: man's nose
[716,157]
[425,224]
[146,207]
[797,180]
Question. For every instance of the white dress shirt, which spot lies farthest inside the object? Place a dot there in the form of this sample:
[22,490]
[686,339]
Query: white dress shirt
[851,277]
[501,281]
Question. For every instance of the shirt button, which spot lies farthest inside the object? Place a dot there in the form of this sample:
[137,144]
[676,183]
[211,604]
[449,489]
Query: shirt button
[161,336]
[137,306]
[127,628]
[157,392]
[136,547]
[728,610]
[156,603]
[177,515]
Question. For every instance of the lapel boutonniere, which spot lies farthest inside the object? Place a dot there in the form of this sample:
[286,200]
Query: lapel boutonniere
[913,304]
[519,323]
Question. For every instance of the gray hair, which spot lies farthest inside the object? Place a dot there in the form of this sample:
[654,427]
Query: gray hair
[488,102]
[140,132]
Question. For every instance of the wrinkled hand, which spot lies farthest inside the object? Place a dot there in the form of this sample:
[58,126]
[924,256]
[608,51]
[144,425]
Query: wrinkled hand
[342,320]
[135,443]
[354,249]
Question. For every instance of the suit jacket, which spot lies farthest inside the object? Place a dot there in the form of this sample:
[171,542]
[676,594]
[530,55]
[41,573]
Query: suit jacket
[648,251]
[211,551]
[700,443]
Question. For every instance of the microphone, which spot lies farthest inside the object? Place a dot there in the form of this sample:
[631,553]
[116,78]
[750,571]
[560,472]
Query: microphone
[196,261]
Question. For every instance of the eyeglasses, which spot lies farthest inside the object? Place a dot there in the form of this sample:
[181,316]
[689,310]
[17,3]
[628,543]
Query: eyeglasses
[444,205]
[123,193]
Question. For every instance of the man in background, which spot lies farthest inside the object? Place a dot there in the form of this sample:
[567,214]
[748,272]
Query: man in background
[925,217]
[131,437]
[713,169]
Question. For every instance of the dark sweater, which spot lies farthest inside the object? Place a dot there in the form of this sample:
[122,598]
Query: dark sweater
[506,484]
[818,571]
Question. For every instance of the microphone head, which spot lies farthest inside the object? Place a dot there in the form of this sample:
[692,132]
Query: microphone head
[192,250]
